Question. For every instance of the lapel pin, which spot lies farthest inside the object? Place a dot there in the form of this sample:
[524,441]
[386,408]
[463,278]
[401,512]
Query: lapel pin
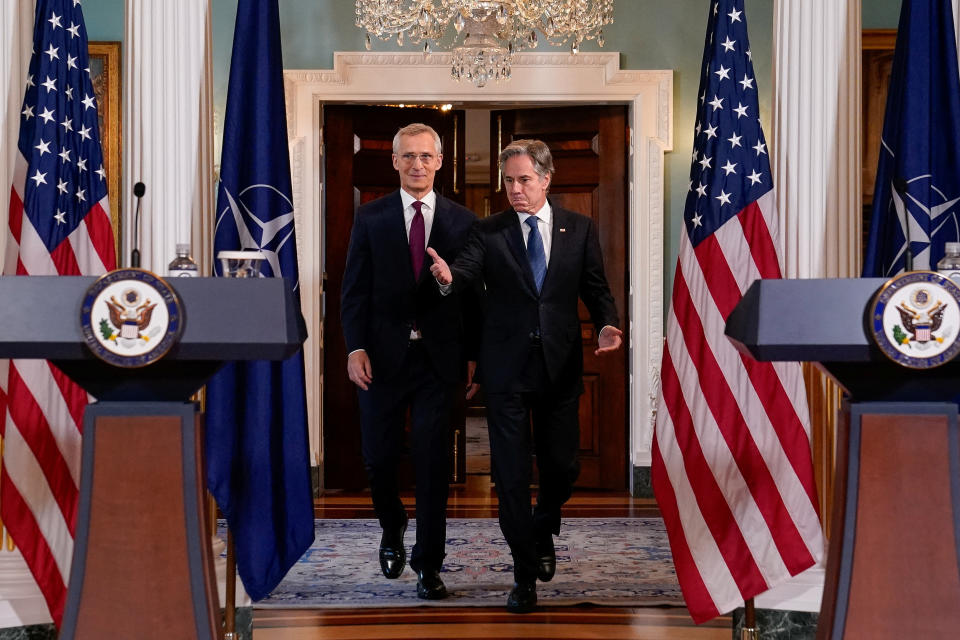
[563,229]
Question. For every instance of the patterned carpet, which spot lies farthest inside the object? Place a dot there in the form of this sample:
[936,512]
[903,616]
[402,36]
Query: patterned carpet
[608,562]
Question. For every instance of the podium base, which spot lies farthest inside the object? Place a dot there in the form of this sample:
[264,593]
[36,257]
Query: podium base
[894,562]
[142,566]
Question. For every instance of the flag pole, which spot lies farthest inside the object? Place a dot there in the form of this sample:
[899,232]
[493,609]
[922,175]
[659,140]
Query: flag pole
[749,630]
[10,546]
[230,604]
[1,469]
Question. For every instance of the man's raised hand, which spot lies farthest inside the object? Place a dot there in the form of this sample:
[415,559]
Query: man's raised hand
[439,268]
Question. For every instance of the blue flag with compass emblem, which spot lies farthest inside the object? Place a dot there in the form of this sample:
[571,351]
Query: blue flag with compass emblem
[256,441]
[917,191]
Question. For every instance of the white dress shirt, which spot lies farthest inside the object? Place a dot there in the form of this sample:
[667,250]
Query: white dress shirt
[429,207]
[544,225]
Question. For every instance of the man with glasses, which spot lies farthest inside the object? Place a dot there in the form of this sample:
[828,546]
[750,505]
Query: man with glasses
[407,345]
[535,259]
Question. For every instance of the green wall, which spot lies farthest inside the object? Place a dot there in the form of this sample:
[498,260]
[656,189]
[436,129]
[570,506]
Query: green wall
[103,19]
[880,14]
[649,34]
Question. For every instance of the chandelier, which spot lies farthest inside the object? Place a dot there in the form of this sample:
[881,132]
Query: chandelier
[486,33]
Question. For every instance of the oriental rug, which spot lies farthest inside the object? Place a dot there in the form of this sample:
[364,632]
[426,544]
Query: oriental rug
[616,562]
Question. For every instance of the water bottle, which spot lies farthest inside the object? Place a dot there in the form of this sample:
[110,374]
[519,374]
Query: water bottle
[183,265]
[949,265]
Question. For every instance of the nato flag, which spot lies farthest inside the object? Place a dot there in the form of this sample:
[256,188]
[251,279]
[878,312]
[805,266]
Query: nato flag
[918,175]
[256,443]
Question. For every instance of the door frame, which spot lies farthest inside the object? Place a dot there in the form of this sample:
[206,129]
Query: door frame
[537,78]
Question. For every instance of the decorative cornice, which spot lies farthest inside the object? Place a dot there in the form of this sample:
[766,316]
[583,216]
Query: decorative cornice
[596,75]
[312,76]
[524,59]
[607,65]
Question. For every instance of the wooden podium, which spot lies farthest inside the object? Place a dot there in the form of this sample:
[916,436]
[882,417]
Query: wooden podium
[893,568]
[142,565]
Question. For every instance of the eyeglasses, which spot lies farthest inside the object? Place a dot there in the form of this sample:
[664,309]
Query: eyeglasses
[424,158]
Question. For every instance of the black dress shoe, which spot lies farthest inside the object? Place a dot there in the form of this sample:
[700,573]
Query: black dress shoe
[546,560]
[430,586]
[393,557]
[522,598]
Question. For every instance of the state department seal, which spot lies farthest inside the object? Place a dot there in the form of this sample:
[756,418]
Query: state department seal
[915,318]
[131,318]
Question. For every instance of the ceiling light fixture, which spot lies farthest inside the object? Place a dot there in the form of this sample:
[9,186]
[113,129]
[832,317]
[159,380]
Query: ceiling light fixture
[485,33]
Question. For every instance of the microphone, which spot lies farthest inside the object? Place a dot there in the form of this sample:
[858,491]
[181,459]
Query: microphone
[138,190]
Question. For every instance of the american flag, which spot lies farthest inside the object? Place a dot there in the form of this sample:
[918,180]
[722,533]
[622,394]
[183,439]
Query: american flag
[732,468]
[59,225]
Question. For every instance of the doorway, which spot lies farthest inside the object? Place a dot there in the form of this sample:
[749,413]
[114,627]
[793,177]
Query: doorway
[538,78]
[589,145]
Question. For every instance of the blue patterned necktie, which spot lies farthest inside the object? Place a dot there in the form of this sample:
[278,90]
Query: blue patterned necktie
[538,259]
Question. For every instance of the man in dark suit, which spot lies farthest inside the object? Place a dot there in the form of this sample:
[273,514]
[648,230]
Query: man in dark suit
[536,260]
[404,343]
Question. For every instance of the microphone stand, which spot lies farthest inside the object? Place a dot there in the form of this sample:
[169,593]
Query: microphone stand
[138,190]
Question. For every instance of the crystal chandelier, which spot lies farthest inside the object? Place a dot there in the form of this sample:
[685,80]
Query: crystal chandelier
[485,33]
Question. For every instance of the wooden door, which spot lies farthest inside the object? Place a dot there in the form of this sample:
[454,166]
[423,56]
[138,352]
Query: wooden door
[589,148]
[357,148]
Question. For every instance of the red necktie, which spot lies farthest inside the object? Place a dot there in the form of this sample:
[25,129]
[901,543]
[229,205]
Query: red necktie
[417,242]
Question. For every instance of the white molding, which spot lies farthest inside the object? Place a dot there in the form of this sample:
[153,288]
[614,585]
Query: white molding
[21,603]
[537,78]
[802,592]
[647,338]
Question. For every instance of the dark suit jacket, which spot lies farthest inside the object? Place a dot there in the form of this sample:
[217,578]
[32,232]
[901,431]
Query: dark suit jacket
[381,301]
[512,309]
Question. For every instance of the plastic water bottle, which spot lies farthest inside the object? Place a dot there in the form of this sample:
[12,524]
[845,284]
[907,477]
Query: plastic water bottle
[949,265]
[183,265]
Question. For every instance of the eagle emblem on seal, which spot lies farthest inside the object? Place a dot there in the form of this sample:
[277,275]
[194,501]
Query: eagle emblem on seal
[129,316]
[921,319]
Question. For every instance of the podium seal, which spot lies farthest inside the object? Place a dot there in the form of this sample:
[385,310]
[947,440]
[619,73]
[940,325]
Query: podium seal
[131,318]
[915,318]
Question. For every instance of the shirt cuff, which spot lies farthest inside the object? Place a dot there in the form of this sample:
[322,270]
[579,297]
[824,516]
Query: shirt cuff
[604,327]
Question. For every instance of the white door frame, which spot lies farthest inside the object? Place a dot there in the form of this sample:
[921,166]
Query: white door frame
[538,78]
